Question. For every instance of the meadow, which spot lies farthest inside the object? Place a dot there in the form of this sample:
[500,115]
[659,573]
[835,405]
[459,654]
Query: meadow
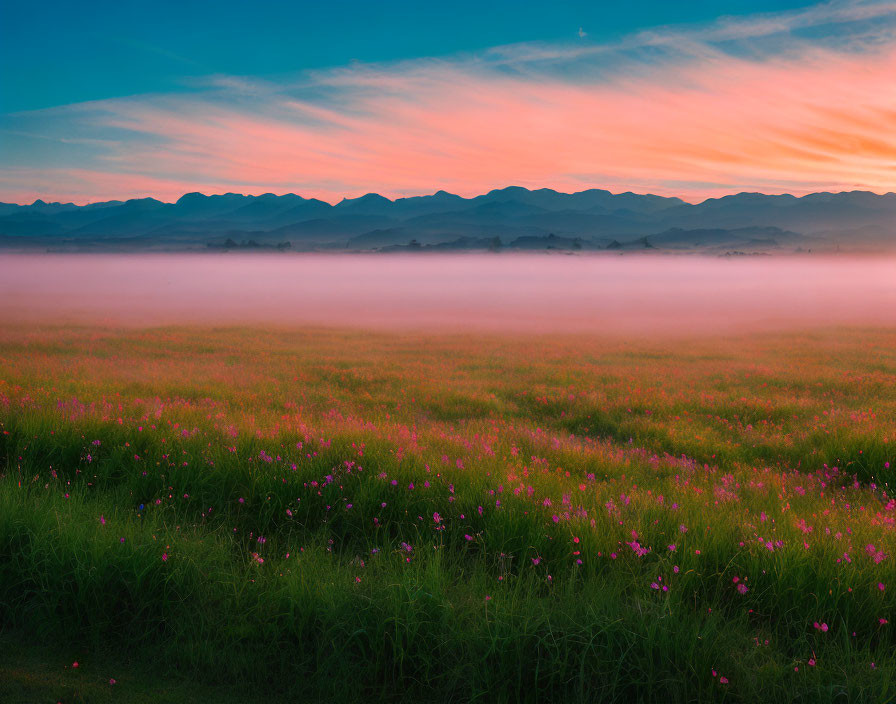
[317,514]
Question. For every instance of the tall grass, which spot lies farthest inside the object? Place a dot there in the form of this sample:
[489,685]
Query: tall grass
[338,515]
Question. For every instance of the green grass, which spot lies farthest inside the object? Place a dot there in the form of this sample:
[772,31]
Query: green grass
[229,513]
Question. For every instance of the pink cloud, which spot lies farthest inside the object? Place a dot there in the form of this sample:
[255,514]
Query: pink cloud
[821,120]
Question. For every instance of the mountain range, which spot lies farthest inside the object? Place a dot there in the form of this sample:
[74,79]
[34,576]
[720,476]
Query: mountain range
[512,218]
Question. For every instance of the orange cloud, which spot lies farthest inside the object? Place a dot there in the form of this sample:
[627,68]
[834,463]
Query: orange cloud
[819,120]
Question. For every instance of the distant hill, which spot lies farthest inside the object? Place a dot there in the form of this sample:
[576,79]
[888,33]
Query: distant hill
[512,218]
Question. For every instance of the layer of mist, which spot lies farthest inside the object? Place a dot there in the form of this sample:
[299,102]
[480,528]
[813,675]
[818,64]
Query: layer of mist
[599,294]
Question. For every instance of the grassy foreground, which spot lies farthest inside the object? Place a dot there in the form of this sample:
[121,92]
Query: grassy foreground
[345,516]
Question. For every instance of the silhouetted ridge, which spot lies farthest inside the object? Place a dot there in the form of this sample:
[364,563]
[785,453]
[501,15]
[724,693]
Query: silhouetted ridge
[592,219]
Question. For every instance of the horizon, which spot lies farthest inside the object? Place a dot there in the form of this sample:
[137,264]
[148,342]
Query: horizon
[773,96]
[427,194]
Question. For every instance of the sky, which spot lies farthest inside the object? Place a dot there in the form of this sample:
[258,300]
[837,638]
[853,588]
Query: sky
[330,100]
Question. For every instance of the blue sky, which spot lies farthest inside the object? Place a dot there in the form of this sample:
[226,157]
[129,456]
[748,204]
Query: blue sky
[55,53]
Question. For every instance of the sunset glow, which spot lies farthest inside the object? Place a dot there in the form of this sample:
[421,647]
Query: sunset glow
[796,103]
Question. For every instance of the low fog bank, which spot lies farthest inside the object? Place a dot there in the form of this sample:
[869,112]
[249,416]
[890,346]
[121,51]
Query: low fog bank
[524,293]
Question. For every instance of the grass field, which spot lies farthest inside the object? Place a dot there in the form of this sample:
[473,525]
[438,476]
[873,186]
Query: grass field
[323,515]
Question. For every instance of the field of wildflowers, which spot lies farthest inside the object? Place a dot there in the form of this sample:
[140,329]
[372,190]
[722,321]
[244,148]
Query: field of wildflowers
[336,515]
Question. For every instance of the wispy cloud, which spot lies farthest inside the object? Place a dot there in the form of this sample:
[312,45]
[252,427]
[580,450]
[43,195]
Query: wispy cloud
[792,102]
